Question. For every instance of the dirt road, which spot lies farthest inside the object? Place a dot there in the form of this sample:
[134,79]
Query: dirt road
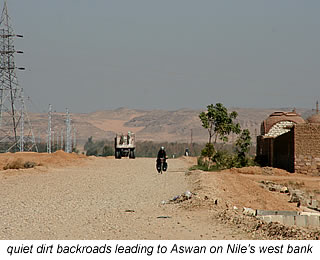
[103,199]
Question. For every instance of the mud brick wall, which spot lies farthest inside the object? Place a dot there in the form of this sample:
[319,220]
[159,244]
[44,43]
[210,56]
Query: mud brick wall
[307,148]
[283,155]
[264,150]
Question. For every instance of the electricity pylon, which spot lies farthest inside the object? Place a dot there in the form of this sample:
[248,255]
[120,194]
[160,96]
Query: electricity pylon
[49,132]
[13,113]
[68,133]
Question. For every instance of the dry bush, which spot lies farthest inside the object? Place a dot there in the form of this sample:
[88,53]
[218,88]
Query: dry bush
[19,164]
[29,164]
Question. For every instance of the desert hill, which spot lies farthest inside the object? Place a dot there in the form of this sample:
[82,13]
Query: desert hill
[151,125]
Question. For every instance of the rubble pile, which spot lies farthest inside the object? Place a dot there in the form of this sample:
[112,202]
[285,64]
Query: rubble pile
[302,198]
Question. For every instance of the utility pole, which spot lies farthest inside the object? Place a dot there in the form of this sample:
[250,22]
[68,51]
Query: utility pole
[57,140]
[68,133]
[74,138]
[12,107]
[49,132]
[61,140]
[52,146]
[22,131]
[191,142]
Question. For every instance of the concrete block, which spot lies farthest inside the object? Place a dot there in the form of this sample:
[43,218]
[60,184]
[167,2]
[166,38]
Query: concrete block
[314,221]
[301,221]
[314,204]
[249,212]
[266,219]
[288,220]
[276,212]
[309,214]
[277,218]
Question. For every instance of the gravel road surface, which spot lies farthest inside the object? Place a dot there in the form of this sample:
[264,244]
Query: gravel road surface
[103,199]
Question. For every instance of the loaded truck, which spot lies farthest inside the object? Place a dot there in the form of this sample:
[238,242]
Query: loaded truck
[124,145]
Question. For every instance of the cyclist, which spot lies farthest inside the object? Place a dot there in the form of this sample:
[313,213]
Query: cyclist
[162,156]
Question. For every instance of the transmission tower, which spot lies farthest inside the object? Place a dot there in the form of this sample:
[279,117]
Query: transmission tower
[68,134]
[12,107]
[74,137]
[49,131]
[61,140]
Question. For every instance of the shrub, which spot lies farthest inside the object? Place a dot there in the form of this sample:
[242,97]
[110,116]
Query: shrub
[92,151]
[203,163]
[19,164]
[107,151]
[208,150]
[224,160]
[29,164]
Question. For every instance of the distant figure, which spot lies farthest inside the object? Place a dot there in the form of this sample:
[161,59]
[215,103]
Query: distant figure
[161,158]
[121,139]
[128,137]
[186,152]
[162,153]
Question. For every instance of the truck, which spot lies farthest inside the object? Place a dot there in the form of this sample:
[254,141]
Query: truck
[124,145]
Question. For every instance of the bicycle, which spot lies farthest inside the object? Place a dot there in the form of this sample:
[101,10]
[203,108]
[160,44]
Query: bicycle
[161,165]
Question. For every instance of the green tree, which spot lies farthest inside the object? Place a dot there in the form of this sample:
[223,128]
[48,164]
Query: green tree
[219,122]
[243,144]
[107,151]
[88,144]
[208,151]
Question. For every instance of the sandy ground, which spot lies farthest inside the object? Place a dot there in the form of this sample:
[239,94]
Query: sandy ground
[103,198]
[244,190]
[71,196]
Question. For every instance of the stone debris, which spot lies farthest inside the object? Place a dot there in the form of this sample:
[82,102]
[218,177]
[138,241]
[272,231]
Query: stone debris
[179,198]
[259,228]
[129,211]
[300,197]
[294,198]
[271,186]
[284,189]
[314,204]
[249,212]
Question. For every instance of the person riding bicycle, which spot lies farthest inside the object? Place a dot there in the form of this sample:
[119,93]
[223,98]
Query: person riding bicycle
[162,156]
[162,153]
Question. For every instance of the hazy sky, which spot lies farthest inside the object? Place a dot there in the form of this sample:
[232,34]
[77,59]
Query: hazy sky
[168,54]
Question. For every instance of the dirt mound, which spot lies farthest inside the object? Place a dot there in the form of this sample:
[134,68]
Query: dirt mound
[57,159]
[255,170]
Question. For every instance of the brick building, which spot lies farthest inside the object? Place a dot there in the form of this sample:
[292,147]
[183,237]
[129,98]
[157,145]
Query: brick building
[289,142]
